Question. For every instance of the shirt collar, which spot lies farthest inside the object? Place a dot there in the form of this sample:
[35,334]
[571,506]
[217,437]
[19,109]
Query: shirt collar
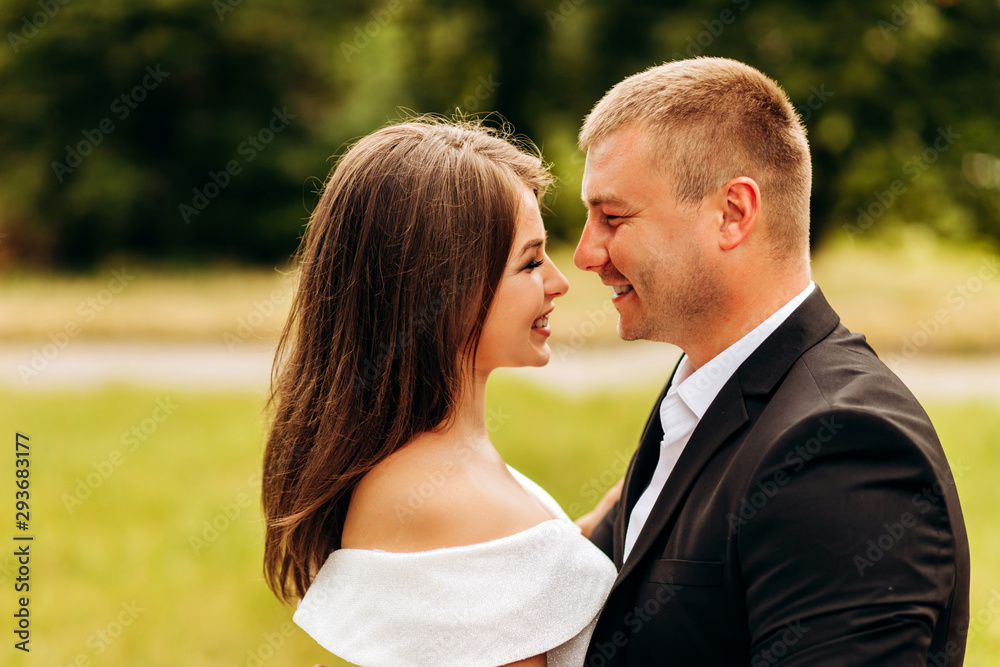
[699,388]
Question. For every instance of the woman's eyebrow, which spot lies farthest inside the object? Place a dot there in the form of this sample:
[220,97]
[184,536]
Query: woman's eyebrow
[529,245]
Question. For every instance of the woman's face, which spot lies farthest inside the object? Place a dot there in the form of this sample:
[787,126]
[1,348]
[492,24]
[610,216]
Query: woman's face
[516,331]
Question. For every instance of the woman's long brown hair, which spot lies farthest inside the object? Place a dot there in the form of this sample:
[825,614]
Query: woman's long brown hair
[397,271]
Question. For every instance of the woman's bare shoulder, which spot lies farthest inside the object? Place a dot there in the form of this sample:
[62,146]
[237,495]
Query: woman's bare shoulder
[437,495]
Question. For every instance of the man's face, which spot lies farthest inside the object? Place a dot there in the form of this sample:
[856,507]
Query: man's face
[656,252]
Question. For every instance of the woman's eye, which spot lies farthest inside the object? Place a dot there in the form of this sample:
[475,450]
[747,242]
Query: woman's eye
[533,265]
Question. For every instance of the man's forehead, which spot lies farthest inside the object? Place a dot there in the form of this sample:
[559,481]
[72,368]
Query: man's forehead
[613,170]
[632,139]
[600,173]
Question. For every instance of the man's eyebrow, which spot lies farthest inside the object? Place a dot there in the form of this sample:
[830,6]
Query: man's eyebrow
[599,199]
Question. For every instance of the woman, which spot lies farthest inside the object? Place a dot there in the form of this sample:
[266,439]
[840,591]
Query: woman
[390,514]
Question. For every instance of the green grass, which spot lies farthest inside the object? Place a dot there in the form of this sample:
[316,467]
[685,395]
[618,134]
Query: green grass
[146,303]
[897,287]
[131,539]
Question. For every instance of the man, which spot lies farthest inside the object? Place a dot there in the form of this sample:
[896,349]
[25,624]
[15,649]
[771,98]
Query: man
[789,502]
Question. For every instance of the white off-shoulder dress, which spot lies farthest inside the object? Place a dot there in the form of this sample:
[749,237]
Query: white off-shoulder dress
[482,605]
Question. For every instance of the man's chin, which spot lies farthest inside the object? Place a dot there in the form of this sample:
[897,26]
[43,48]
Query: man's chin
[628,331]
[638,330]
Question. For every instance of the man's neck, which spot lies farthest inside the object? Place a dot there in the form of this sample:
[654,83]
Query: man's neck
[748,311]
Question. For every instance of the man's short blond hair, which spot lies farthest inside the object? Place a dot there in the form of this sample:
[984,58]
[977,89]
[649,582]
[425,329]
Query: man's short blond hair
[709,120]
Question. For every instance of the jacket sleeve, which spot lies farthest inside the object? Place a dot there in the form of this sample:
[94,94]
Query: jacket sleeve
[845,546]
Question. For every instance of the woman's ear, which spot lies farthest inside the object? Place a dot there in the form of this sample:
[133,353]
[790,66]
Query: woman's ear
[741,210]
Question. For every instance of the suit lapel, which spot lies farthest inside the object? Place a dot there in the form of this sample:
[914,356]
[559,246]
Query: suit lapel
[727,416]
[812,321]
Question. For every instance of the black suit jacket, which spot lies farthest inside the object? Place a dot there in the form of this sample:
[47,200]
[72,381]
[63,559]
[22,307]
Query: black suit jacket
[812,519]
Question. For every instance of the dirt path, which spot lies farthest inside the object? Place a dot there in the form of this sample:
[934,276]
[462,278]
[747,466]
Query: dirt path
[82,364]
[643,363]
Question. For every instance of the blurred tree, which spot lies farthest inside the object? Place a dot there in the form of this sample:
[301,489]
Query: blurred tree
[194,130]
[161,131]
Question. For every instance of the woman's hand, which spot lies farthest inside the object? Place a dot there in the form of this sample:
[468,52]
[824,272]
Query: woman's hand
[589,521]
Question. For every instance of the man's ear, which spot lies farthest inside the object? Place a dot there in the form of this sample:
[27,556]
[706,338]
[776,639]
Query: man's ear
[741,210]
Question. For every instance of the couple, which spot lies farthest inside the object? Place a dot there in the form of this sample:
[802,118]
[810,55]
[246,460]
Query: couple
[789,502]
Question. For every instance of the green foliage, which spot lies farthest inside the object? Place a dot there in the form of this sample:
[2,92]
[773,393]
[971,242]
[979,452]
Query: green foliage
[113,114]
[898,97]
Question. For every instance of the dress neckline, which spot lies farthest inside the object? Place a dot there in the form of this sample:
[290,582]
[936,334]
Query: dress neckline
[521,534]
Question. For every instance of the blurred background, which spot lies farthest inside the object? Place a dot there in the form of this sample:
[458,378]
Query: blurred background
[160,159]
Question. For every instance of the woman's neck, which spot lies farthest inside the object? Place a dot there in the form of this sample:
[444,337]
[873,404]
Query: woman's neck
[469,416]
[467,423]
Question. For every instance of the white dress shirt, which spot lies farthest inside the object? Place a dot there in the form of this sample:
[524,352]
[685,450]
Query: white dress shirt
[686,401]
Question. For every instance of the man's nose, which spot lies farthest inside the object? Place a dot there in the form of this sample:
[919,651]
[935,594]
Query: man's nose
[592,251]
